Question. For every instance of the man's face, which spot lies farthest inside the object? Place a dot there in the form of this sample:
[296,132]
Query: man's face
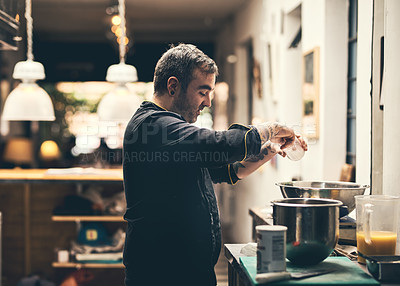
[189,104]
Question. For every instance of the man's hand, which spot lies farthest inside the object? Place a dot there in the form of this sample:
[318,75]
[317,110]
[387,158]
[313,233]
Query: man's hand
[303,143]
[276,133]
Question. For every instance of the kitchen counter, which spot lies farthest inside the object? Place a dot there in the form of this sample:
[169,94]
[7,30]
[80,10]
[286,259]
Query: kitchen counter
[351,273]
[236,273]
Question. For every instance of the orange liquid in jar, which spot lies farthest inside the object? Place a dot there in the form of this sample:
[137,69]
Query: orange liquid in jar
[382,243]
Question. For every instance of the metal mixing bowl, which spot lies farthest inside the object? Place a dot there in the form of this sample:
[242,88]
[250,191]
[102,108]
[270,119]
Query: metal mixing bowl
[312,228]
[342,191]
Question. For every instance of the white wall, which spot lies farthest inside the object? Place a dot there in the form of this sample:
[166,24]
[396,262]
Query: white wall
[391,131]
[289,98]
[391,101]
[363,128]
[325,25]
[334,67]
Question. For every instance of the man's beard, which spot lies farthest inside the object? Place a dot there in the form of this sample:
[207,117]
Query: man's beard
[182,107]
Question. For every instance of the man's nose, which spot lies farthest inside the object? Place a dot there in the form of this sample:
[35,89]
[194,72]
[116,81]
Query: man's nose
[207,100]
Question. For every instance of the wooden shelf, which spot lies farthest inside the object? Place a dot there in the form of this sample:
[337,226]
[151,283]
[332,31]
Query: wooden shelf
[72,175]
[87,265]
[88,218]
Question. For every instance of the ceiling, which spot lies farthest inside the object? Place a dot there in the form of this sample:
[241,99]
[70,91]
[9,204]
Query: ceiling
[73,38]
[147,20]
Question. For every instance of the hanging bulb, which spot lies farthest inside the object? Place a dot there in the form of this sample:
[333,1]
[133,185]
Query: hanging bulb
[116,20]
[126,40]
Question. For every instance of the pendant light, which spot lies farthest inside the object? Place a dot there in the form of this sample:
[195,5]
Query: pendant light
[119,104]
[28,101]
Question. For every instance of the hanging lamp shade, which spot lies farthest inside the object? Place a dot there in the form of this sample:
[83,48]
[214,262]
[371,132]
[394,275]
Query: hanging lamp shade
[118,105]
[29,70]
[28,101]
[121,73]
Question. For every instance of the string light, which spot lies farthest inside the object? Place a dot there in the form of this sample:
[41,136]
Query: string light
[116,20]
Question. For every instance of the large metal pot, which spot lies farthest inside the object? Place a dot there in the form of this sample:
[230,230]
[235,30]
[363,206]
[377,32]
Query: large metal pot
[313,228]
[342,191]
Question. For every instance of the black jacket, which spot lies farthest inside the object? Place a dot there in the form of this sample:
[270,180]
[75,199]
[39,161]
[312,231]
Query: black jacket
[169,165]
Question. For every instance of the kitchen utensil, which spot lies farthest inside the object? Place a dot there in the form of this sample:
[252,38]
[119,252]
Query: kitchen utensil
[313,228]
[377,224]
[342,191]
[294,152]
[383,268]
[279,276]
[340,252]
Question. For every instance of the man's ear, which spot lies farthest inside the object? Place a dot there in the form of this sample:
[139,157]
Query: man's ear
[173,86]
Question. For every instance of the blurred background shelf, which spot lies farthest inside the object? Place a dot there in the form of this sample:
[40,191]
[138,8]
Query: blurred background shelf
[88,218]
[86,265]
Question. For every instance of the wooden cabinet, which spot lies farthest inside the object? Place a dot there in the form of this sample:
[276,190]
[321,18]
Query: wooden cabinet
[31,232]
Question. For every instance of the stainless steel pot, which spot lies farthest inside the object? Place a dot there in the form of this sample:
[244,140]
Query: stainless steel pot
[313,228]
[342,191]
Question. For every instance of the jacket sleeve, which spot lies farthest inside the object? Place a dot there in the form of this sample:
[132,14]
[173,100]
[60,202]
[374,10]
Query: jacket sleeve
[223,174]
[174,141]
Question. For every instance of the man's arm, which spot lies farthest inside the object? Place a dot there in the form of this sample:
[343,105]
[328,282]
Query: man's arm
[181,143]
[251,164]
[268,150]
[238,170]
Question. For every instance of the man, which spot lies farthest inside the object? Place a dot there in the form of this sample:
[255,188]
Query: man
[173,234]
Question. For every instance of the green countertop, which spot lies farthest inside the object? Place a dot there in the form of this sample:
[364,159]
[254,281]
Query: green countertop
[346,273]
